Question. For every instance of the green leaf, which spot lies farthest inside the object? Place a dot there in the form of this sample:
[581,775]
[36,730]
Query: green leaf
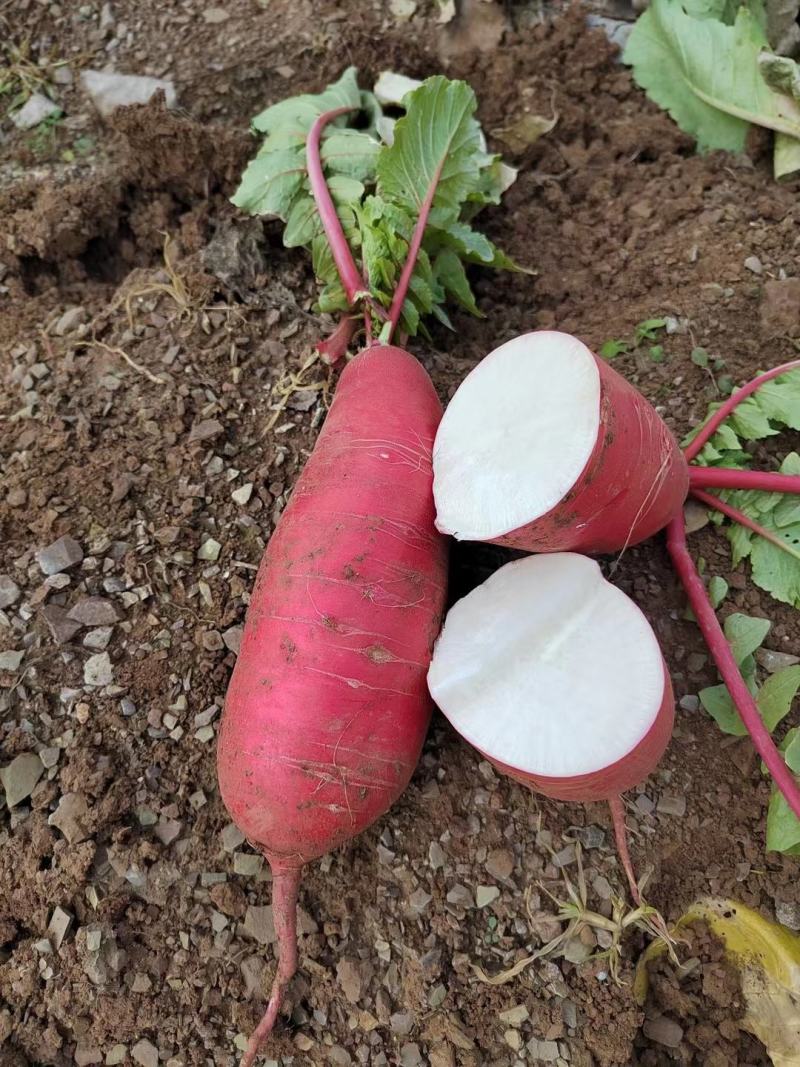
[270,183]
[776,695]
[612,349]
[717,590]
[699,357]
[647,330]
[299,112]
[745,634]
[717,701]
[783,826]
[378,189]
[449,271]
[706,75]
[437,142]
[350,152]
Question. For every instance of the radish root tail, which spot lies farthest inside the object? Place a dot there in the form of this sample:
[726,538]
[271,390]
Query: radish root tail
[621,837]
[285,887]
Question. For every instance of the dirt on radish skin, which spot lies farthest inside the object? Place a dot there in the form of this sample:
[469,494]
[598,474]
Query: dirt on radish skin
[544,447]
[328,706]
[556,676]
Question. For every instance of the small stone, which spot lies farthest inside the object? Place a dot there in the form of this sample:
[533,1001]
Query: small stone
[59,624]
[663,1031]
[243,494]
[696,661]
[141,983]
[205,430]
[98,639]
[204,734]
[49,757]
[437,857]
[754,264]
[232,638]
[116,1055]
[69,321]
[231,837]
[19,778]
[591,836]
[58,927]
[43,946]
[419,900]
[602,887]
[167,830]
[644,804]
[215,15]
[198,800]
[87,1054]
[515,1016]
[9,591]
[403,9]
[247,864]
[36,109]
[212,640]
[773,661]
[401,1023]
[486,894]
[209,550]
[695,516]
[566,856]
[410,1055]
[60,555]
[460,896]
[145,1053]
[94,611]
[780,307]
[690,702]
[121,485]
[10,660]
[671,805]
[788,914]
[500,863]
[543,1051]
[108,91]
[71,817]
[98,671]
[258,924]
[350,978]
[513,1039]
[442,1056]
[229,898]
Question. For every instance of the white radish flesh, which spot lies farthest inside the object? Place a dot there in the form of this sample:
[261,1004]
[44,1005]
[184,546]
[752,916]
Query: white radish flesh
[555,674]
[516,436]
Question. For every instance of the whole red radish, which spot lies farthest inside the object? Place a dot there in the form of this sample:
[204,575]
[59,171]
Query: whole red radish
[544,447]
[328,706]
[556,676]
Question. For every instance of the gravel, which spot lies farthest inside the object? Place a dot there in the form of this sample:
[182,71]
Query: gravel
[60,555]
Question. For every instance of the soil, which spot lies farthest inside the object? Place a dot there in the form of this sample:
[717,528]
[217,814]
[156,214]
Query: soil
[703,997]
[129,428]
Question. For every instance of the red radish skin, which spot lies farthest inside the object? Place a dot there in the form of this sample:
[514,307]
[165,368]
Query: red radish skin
[634,482]
[618,777]
[328,707]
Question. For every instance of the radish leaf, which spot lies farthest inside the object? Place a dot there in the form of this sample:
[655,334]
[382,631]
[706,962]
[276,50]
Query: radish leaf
[773,408]
[774,698]
[379,187]
[708,75]
[783,826]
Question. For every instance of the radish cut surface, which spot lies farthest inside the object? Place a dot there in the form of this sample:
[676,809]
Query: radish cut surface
[556,676]
[516,436]
[544,447]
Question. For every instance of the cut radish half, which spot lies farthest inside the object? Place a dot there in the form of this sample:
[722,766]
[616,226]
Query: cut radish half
[556,676]
[544,447]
